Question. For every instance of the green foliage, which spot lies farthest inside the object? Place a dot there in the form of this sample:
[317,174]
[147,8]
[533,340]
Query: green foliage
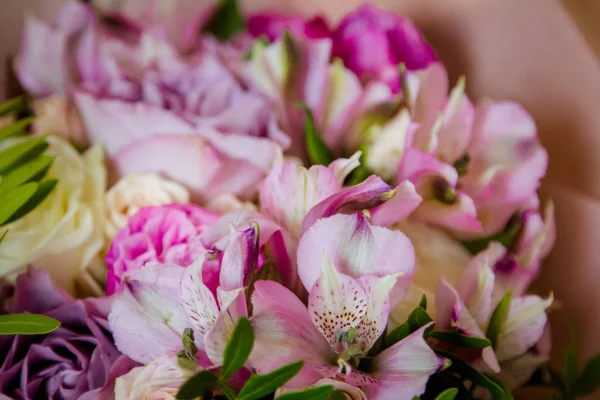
[506,238]
[497,319]
[316,393]
[27,324]
[460,340]
[449,394]
[198,385]
[318,152]
[238,348]
[226,21]
[259,386]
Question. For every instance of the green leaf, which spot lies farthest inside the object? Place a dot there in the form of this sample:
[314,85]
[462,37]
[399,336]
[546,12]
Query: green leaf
[397,334]
[238,348]
[228,390]
[497,319]
[30,171]
[466,371]
[570,372]
[423,303]
[338,395]
[226,21]
[418,318]
[198,385]
[16,128]
[589,380]
[11,202]
[3,236]
[316,393]
[259,386]
[21,152]
[12,105]
[318,152]
[27,324]
[461,340]
[507,238]
[449,394]
[43,190]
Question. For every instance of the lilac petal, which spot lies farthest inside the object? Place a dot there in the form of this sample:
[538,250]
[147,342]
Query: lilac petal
[399,207]
[371,193]
[36,293]
[284,333]
[240,257]
[375,320]
[217,338]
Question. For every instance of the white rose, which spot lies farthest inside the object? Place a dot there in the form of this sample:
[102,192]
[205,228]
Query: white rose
[159,380]
[437,255]
[65,232]
[135,191]
[56,115]
[351,392]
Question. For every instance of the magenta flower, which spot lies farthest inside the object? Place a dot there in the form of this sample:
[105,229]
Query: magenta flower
[273,26]
[373,42]
[165,234]
[77,361]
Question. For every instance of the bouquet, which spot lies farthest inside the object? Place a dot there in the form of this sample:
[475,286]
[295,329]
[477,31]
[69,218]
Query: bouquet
[200,204]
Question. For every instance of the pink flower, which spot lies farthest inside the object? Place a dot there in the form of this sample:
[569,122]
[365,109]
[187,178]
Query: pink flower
[166,234]
[272,26]
[372,43]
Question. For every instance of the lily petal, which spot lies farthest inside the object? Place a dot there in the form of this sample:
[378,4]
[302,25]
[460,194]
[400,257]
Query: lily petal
[405,201]
[216,339]
[197,300]
[240,257]
[375,320]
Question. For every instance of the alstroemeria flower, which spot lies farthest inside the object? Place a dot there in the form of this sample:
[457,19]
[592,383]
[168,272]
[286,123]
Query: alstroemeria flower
[273,26]
[159,301]
[373,42]
[474,168]
[469,308]
[286,331]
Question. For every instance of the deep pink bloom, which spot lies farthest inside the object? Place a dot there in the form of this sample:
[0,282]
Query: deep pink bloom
[273,26]
[373,42]
[166,234]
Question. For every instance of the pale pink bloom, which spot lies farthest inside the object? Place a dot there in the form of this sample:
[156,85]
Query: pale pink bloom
[287,331]
[469,308]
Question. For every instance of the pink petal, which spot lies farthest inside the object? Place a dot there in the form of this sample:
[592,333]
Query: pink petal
[183,158]
[523,327]
[356,248]
[146,319]
[117,124]
[371,193]
[460,216]
[404,369]
[240,258]
[399,207]
[375,320]
[284,333]
[197,300]
[342,167]
[216,339]
[336,303]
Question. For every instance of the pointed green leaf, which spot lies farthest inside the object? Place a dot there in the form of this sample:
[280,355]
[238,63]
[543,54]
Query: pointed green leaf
[315,393]
[15,129]
[397,334]
[589,381]
[418,318]
[12,105]
[33,170]
[466,371]
[228,390]
[21,152]
[318,152]
[461,340]
[570,372]
[27,324]
[338,395]
[497,319]
[238,348]
[198,385]
[43,190]
[11,202]
[423,303]
[259,386]
[449,394]
[226,21]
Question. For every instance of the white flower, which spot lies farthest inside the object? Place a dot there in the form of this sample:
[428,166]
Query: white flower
[437,255]
[159,380]
[65,232]
[135,191]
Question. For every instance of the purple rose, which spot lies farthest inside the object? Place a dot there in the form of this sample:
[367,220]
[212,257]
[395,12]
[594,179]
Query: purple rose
[372,43]
[273,26]
[77,361]
[164,234]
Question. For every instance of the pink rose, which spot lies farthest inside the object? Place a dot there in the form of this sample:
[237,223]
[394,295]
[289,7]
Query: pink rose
[167,234]
[273,26]
[372,43]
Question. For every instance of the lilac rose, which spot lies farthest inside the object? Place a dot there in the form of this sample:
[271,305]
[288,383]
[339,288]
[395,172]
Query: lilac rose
[373,42]
[77,361]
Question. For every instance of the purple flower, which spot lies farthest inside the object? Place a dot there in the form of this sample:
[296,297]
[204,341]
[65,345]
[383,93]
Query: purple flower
[273,26]
[166,234]
[373,42]
[77,361]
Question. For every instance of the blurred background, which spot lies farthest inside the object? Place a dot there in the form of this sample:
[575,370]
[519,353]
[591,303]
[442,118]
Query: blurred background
[542,53]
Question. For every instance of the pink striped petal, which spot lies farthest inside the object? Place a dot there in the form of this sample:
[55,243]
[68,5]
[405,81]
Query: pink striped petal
[197,300]
[375,320]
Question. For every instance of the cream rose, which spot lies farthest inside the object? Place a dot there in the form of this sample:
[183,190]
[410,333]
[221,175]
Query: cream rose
[135,191]
[64,234]
[159,380]
[56,115]
[437,255]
